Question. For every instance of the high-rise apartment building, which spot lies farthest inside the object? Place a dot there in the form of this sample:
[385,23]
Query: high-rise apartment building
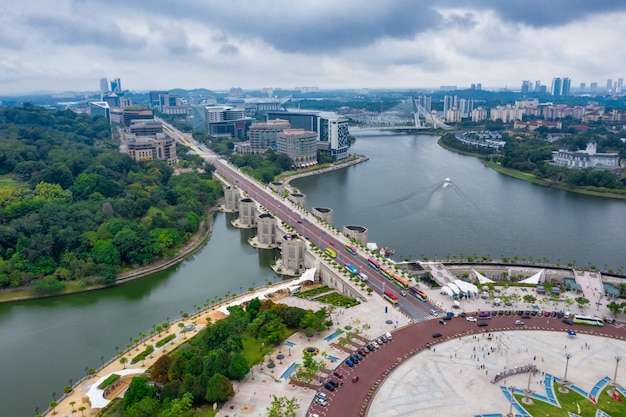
[593,87]
[620,85]
[556,87]
[566,86]
[526,86]
[609,85]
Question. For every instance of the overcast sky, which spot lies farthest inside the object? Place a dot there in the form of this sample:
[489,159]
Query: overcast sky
[58,45]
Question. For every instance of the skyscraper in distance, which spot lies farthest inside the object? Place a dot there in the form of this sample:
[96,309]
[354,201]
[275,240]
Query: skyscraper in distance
[566,86]
[556,87]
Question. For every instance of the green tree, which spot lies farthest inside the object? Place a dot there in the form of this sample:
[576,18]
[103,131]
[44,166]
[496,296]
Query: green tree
[614,307]
[219,388]
[238,367]
[137,390]
[283,407]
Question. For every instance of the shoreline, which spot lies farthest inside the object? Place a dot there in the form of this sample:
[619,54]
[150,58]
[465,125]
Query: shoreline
[195,243]
[527,177]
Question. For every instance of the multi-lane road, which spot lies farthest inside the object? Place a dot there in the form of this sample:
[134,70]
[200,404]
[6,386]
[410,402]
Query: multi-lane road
[304,224]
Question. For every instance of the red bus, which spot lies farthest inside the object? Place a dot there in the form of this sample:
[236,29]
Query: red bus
[389,296]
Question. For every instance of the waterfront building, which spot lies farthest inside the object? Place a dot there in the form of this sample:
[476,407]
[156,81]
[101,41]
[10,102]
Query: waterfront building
[298,144]
[334,139]
[588,158]
[481,139]
[263,135]
[297,120]
[266,229]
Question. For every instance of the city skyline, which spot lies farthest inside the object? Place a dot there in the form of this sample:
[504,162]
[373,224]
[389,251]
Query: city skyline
[278,44]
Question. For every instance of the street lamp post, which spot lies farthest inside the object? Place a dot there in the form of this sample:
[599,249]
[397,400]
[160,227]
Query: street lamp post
[528,391]
[510,413]
[617,359]
[563,387]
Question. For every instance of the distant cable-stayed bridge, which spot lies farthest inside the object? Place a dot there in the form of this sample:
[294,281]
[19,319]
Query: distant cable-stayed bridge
[408,115]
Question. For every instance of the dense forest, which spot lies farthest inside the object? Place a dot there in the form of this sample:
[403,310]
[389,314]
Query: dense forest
[200,371]
[74,210]
[531,154]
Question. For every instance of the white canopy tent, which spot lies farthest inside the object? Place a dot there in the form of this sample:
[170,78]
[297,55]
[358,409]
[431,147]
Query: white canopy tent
[447,290]
[481,278]
[535,279]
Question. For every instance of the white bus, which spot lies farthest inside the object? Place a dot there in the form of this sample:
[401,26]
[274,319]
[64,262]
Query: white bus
[588,320]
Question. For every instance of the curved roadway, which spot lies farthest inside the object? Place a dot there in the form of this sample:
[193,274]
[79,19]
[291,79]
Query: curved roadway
[348,399]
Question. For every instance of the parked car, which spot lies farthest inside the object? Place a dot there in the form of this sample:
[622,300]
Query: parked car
[470,318]
[370,347]
[330,387]
[334,383]
[447,318]
[338,374]
[384,338]
[362,352]
[379,341]
[355,378]
[350,362]
[519,323]
[376,344]
[355,359]
[436,335]
[322,395]
[321,402]
[567,321]
[442,322]
[483,324]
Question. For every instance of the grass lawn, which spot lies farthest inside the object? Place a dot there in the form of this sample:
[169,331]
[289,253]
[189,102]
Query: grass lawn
[569,404]
[254,351]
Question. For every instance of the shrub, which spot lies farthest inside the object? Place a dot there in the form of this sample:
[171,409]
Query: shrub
[143,354]
[166,339]
[111,379]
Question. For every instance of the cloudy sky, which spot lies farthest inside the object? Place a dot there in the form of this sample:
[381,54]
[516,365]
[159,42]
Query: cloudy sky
[58,45]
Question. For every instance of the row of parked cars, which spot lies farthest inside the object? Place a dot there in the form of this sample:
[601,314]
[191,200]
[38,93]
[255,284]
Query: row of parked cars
[360,354]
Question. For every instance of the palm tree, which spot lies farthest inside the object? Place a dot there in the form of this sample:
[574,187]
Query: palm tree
[72,403]
[53,405]
[82,409]
[123,361]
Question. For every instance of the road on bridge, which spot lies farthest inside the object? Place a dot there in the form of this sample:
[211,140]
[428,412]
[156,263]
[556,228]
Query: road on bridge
[304,224]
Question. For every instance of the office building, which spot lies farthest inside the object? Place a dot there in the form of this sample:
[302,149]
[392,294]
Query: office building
[136,113]
[145,127]
[172,104]
[297,120]
[609,85]
[104,86]
[145,148]
[298,144]
[526,86]
[116,85]
[155,97]
[226,121]
[262,136]
[113,100]
[425,102]
[334,137]
[593,87]
[620,86]
[100,108]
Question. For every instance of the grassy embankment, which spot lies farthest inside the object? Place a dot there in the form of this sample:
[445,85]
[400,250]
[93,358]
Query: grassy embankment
[593,191]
